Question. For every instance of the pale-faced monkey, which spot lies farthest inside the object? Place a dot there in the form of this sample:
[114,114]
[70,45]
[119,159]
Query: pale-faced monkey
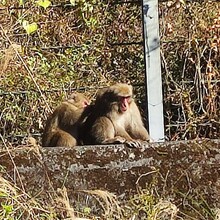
[62,126]
[114,118]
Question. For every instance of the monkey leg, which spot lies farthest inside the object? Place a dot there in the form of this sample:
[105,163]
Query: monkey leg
[143,135]
[103,131]
[115,140]
[62,139]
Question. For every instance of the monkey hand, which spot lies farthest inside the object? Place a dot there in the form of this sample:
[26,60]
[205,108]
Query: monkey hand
[133,143]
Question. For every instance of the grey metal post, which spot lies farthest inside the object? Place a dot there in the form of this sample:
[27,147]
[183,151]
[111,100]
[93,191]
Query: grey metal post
[153,69]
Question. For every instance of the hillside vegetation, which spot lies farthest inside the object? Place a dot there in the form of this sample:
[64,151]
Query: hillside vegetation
[50,48]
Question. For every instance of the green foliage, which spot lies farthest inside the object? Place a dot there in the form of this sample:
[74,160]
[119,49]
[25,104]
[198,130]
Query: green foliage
[7,210]
[21,2]
[142,204]
[29,28]
[43,3]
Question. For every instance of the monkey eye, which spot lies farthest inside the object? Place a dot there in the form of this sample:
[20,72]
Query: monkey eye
[122,98]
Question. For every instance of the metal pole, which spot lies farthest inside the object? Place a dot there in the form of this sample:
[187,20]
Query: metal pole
[153,69]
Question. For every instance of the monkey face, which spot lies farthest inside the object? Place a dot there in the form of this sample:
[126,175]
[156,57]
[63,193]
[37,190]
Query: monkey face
[124,103]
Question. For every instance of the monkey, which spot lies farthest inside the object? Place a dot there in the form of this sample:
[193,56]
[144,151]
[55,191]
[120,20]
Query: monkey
[114,118]
[62,126]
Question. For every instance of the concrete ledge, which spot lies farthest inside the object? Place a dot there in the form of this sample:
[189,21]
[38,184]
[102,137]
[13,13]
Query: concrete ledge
[173,169]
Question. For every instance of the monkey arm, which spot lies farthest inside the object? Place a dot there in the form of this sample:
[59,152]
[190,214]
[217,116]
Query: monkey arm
[136,126]
[62,139]
[120,131]
[140,133]
[102,131]
[105,132]
[130,141]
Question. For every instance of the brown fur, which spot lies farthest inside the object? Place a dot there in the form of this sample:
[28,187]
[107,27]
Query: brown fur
[62,126]
[115,118]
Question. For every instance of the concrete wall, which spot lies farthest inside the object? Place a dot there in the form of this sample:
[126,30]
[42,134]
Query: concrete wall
[173,169]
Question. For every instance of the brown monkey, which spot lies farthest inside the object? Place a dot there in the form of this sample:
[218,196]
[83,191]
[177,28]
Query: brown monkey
[114,118]
[62,126]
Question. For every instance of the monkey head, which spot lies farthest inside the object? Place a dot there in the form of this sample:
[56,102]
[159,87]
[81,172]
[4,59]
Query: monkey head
[124,93]
[78,100]
[117,97]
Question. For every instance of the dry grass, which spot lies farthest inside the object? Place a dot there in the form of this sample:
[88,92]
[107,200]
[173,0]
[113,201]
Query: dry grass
[17,204]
